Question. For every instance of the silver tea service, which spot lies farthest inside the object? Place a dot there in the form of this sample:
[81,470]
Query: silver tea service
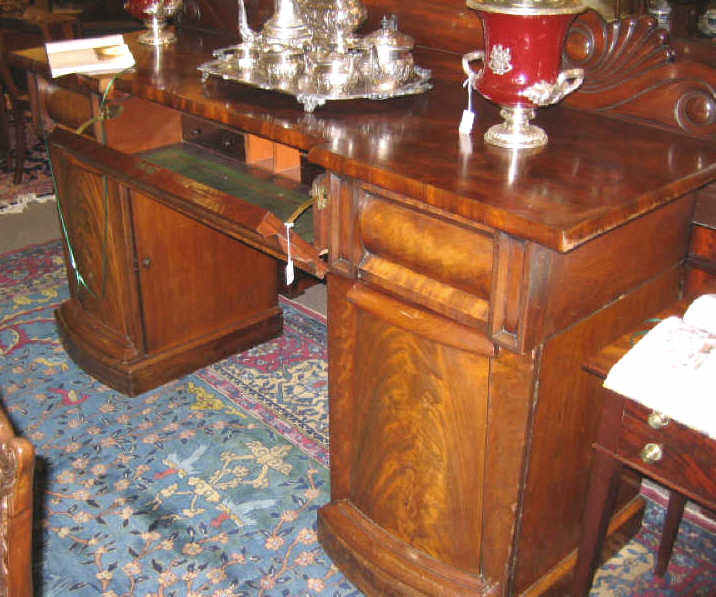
[309,49]
[334,72]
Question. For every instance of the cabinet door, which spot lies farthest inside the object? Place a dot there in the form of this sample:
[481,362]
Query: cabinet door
[98,245]
[409,410]
[194,280]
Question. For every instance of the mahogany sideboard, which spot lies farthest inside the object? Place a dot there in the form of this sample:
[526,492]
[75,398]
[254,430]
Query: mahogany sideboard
[466,284]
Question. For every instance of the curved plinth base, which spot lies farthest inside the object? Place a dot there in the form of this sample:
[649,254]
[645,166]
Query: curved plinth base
[379,564]
[516,132]
[116,362]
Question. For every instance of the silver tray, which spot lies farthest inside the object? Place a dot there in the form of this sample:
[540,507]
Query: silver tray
[304,88]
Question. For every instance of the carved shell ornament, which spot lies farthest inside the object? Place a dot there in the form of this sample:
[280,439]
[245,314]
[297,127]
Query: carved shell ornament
[613,53]
[631,70]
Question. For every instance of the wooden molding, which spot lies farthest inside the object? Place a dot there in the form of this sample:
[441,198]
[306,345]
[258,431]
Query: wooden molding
[632,72]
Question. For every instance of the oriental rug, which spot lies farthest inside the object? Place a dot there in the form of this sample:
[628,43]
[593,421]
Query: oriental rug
[36,184]
[210,484]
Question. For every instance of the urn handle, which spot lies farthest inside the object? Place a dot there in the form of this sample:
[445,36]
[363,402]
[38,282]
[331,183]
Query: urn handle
[545,94]
[467,59]
[568,81]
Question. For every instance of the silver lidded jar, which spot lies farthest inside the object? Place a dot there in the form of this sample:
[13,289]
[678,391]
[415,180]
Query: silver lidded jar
[393,51]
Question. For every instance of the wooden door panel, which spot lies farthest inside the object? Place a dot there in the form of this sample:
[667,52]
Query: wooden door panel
[210,280]
[419,427]
[94,214]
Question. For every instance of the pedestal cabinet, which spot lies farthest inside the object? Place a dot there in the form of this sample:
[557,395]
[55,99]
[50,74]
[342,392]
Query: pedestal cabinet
[154,293]
[458,407]
[157,290]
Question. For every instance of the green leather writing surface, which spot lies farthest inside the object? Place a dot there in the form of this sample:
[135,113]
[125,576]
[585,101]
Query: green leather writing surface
[276,194]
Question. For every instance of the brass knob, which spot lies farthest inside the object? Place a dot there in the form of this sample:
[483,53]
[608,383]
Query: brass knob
[657,420]
[651,453]
[146,262]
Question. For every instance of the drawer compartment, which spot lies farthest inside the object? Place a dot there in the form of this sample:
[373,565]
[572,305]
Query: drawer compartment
[687,458]
[277,195]
[252,208]
[416,262]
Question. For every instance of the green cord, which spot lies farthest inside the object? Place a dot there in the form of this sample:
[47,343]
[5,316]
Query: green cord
[70,251]
[636,336]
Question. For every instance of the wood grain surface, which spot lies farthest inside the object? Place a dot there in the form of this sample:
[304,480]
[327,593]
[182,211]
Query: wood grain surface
[575,188]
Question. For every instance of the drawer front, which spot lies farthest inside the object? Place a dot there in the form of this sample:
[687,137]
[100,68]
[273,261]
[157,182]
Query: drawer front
[65,107]
[424,258]
[687,460]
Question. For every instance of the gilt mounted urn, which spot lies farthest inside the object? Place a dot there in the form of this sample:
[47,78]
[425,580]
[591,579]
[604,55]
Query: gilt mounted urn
[521,61]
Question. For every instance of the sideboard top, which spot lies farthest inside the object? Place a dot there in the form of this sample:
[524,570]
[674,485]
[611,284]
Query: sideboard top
[595,174]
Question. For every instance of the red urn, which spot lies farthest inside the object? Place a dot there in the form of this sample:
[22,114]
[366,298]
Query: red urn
[521,63]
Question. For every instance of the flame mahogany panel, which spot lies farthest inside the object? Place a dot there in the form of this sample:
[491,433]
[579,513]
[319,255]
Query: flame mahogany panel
[421,403]
[105,260]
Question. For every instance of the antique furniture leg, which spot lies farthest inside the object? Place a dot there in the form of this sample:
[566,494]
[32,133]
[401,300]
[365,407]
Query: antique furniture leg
[20,141]
[601,496]
[18,103]
[674,513]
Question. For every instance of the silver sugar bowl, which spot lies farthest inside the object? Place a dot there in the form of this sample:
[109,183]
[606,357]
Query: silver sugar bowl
[334,72]
[282,63]
[393,51]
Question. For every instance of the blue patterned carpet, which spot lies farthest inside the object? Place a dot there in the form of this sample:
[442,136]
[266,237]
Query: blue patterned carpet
[208,485]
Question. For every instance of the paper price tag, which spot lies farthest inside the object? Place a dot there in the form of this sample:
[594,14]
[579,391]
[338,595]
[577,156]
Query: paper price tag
[289,263]
[466,122]
[468,116]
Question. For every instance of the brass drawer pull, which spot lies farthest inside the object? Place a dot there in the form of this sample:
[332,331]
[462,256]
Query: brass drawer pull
[657,420]
[651,453]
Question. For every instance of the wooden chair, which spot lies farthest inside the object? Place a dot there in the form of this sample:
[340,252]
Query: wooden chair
[674,455]
[33,27]
[13,105]
[17,462]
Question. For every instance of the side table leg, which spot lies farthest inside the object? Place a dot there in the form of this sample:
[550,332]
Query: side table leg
[674,512]
[601,496]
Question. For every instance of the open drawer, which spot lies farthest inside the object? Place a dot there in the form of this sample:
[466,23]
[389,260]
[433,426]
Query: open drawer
[245,202]
[168,270]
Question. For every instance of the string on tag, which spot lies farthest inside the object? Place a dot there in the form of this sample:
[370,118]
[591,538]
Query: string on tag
[289,259]
[468,116]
